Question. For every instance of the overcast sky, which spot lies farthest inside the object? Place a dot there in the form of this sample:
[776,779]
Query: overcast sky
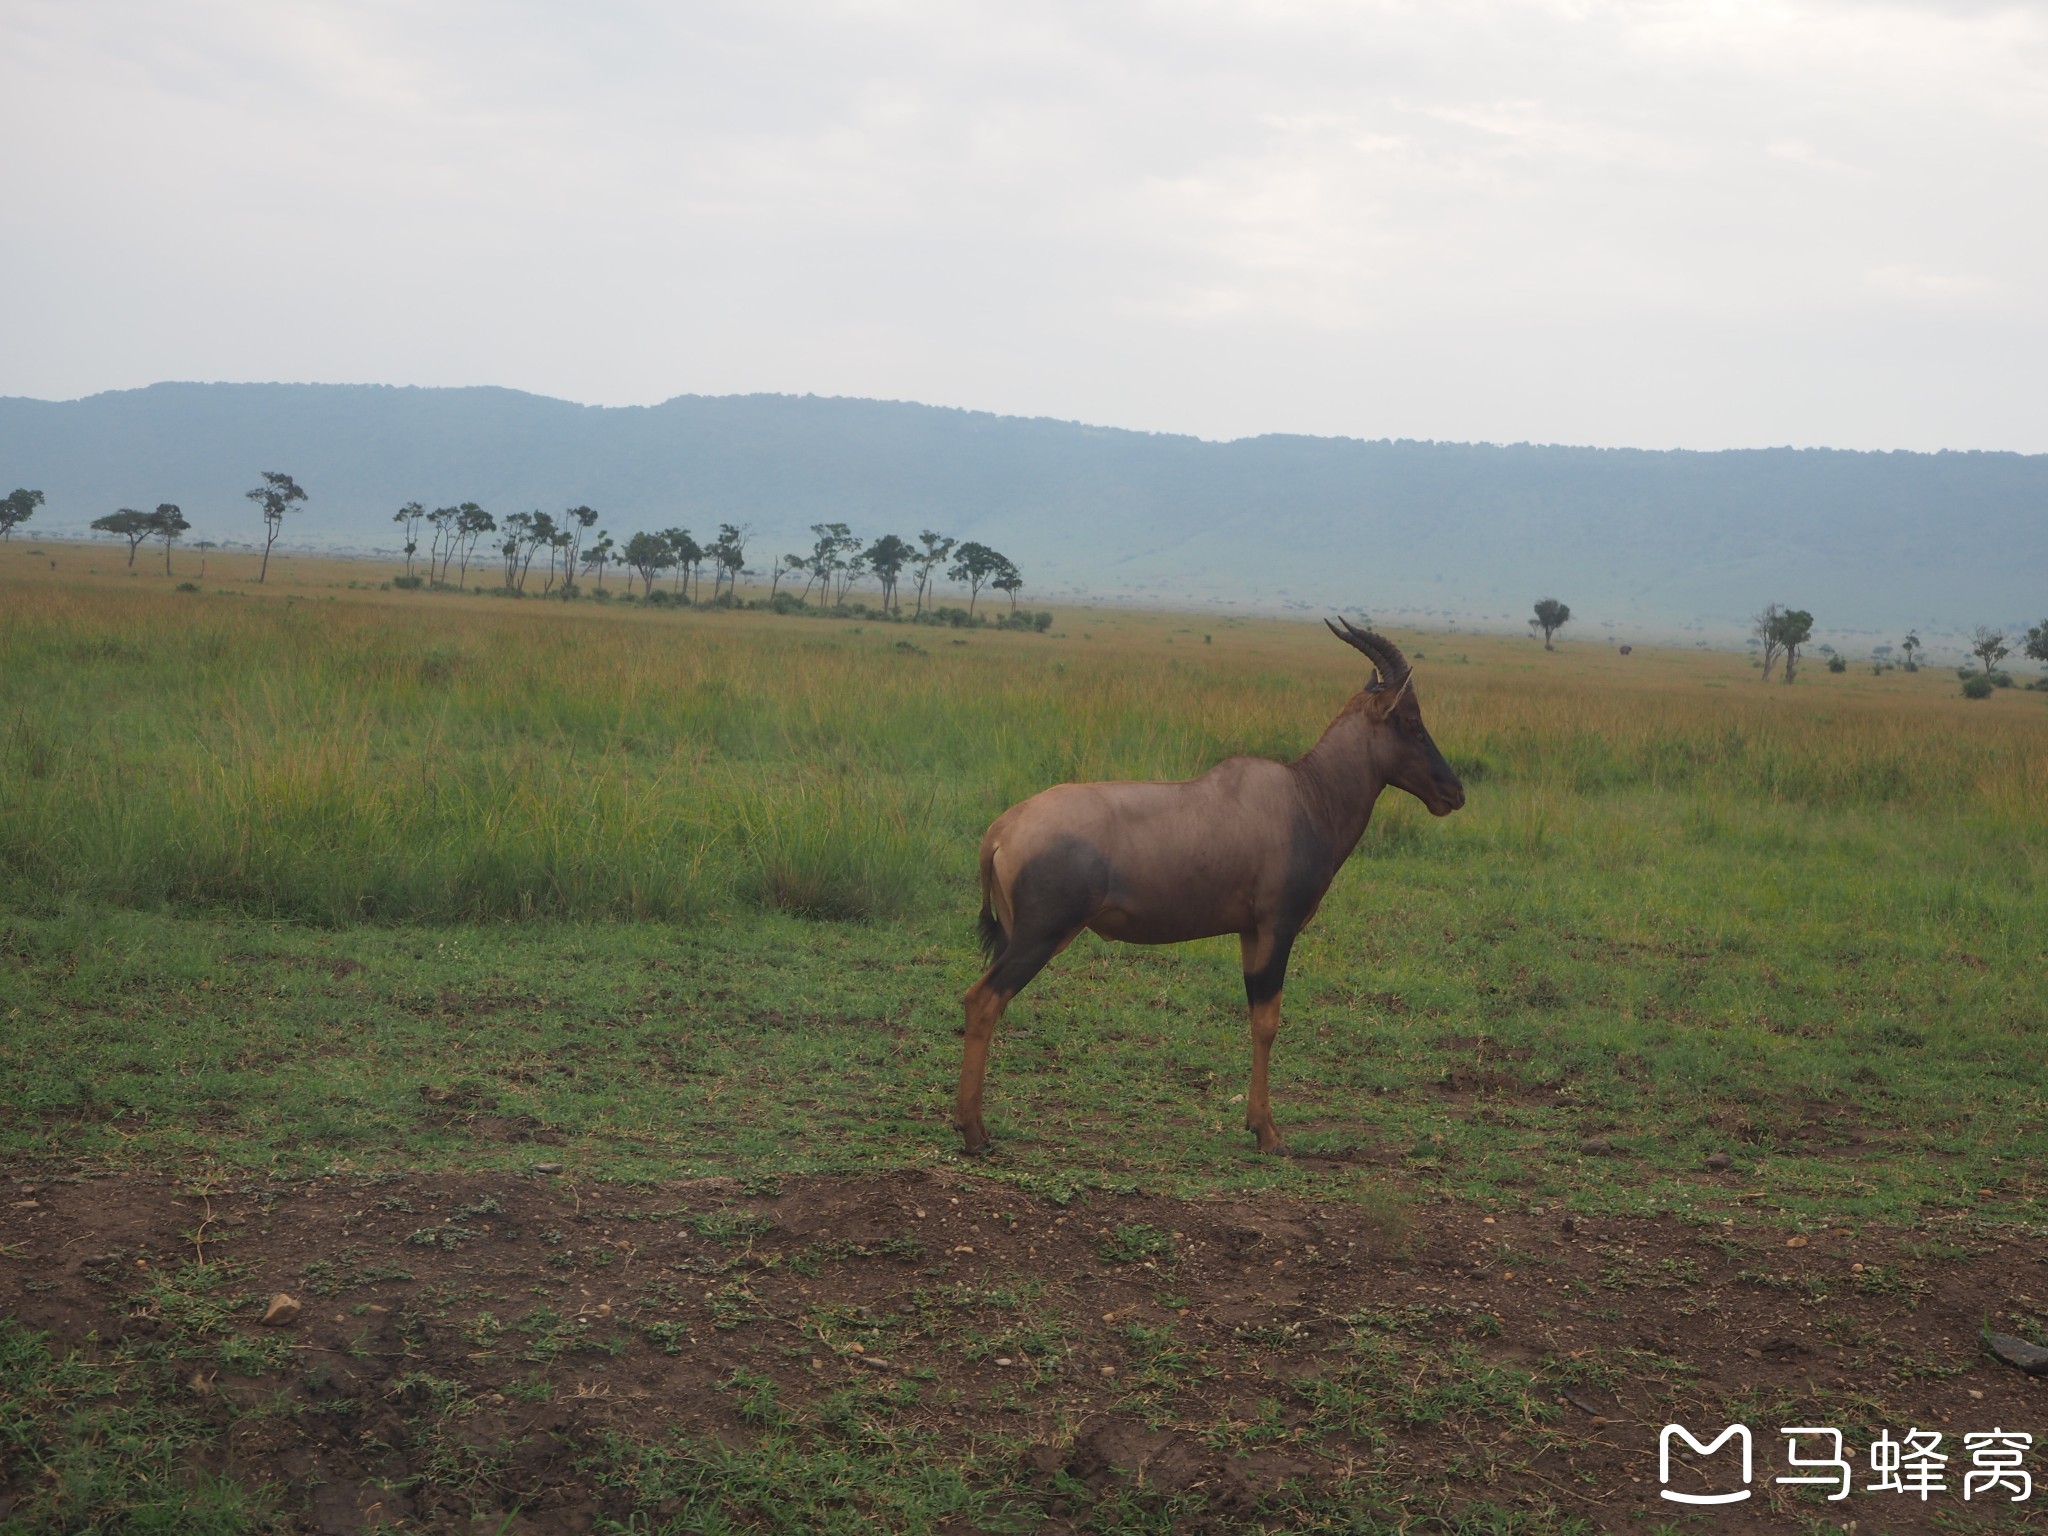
[1702,224]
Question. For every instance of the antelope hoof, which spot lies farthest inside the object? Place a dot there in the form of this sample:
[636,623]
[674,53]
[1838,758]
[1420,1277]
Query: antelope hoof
[977,1143]
[1270,1144]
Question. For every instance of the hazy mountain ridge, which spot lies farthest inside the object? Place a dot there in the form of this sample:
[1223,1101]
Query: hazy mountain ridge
[1642,539]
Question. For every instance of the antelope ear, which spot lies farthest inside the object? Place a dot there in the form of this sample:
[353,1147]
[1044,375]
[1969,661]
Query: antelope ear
[1384,700]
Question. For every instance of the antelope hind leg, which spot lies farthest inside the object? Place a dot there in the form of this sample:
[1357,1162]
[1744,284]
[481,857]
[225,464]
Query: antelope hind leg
[984,1010]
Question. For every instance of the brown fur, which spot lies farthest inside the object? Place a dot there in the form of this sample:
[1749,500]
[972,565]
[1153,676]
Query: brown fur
[1247,848]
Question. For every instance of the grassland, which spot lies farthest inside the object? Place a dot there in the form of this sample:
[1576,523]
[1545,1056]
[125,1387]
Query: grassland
[321,878]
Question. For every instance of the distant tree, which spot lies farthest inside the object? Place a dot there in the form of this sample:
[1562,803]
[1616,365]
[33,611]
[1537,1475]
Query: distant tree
[828,556]
[168,523]
[886,557]
[789,565]
[514,528]
[851,569]
[1764,630]
[2036,642]
[472,522]
[127,524]
[1795,628]
[561,544]
[576,522]
[408,519]
[445,521]
[539,529]
[598,556]
[1909,645]
[1989,647]
[833,542]
[649,554]
[19,507]
[689,554]
[1009,579]
[275,496]
[973,564]
[935,551]
[729,550]
[1551,616]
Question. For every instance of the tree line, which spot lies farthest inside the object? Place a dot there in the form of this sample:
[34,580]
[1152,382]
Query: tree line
[277,495]
[837,559]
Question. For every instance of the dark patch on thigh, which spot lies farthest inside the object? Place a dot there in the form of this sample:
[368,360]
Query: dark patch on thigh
[1055,894]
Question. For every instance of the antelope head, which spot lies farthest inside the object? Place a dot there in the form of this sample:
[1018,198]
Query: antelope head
[1402,751]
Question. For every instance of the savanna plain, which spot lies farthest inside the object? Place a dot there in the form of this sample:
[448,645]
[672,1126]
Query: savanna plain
[555,1004]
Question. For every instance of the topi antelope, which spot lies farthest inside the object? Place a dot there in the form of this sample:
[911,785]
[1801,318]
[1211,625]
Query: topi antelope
[1248,848]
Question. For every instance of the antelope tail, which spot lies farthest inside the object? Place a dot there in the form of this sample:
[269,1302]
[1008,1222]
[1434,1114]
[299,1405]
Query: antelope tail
[990,928]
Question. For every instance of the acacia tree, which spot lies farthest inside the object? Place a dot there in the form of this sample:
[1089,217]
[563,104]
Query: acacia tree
[1909,645]
[886,557]
[1009,579]
[1989,647]
[275,496]
[560,543]
[689,555]
[789,565]
[1764,626]
[444,521]
[729,551]
[168,523]
[851,569]
[515,529]
[1795,628]
[408,519]
[127,524]
[540,529]
[649,554]
[598,555]
[828,557]
[974,563]
[19,507]
[472,522]
[2036,642]
[936,548]
[1551,616]
[576,522]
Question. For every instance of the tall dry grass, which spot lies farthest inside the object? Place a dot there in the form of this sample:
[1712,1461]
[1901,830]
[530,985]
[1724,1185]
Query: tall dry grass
[337,759]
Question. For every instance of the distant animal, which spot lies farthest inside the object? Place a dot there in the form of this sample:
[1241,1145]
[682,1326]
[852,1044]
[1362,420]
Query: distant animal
[1248,848]
[1626,649]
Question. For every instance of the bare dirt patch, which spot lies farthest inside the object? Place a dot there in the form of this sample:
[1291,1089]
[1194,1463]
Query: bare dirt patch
[489,1348]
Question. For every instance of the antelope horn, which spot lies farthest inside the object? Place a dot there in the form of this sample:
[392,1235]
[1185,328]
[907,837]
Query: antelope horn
[1385,656]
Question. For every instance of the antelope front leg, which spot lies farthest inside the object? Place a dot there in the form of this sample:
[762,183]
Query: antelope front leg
[1265,974]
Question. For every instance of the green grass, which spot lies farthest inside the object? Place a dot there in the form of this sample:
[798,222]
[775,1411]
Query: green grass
[104,1446]
[779,1045]
[380,884]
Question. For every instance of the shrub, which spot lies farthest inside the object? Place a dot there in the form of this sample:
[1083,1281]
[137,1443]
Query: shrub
[408,583]
[188,586]
[1836,664]
[1976,686]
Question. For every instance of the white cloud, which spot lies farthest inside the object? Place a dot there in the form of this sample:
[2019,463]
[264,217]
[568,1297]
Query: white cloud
[1606,221]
